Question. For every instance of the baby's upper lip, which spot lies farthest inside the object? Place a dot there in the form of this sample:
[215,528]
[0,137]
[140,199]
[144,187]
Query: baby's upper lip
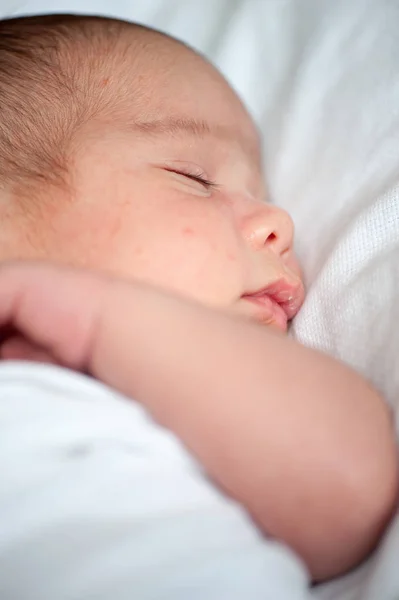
[288,294]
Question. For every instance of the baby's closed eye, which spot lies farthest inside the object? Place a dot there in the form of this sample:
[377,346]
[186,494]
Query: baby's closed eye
[191,172]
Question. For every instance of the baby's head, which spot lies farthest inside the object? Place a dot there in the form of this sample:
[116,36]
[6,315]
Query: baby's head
[123,150]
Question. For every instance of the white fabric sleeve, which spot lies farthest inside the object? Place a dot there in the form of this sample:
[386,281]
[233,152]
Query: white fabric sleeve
[99,503]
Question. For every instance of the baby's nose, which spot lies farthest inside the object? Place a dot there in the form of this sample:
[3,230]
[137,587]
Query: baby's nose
[269,226]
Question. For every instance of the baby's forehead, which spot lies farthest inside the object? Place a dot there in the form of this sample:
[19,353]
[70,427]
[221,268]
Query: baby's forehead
[177,91]
[202,107]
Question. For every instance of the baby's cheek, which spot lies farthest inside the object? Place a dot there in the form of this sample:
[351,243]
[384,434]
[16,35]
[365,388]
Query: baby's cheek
[208,242]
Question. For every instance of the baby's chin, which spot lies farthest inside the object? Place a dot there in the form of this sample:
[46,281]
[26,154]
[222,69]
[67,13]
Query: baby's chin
[278,326]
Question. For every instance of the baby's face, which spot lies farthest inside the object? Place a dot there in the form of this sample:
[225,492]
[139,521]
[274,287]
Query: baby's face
[175,197]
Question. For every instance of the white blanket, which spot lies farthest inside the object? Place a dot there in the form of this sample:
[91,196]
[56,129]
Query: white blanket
[321,78]
[97,502]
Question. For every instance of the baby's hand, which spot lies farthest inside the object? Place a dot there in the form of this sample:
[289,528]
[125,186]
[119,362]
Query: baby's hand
[41,313]
[51,313]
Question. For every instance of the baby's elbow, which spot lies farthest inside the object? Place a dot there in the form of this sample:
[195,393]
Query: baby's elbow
[364,499]
[374,497]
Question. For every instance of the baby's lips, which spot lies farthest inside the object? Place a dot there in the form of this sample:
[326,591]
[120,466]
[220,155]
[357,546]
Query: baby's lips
[292,301]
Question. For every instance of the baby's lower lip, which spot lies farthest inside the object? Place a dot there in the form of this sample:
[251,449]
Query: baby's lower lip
[267,311]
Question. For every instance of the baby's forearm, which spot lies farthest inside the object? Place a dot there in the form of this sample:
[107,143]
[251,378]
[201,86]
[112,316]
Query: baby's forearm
[303,442]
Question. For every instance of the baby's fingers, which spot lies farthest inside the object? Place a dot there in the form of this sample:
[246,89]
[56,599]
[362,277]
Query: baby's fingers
[19,348]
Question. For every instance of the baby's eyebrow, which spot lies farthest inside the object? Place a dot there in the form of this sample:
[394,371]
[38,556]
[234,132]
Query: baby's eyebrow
[199,128]
[171,125]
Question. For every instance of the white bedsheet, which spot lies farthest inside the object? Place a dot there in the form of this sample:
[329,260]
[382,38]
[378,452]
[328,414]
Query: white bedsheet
[321,78]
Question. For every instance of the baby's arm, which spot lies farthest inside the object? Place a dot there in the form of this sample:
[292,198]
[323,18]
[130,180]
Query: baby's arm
[303,442]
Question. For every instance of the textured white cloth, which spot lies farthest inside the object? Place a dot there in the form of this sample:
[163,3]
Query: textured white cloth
[332,140]
[321,78]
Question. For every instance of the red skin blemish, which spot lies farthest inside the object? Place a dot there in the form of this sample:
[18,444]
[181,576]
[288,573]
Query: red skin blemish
[105,82]
[187,231]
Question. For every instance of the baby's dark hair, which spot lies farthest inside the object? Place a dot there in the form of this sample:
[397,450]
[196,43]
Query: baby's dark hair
[54,75]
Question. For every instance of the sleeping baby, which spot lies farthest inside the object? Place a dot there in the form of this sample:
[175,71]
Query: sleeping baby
[128,161]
